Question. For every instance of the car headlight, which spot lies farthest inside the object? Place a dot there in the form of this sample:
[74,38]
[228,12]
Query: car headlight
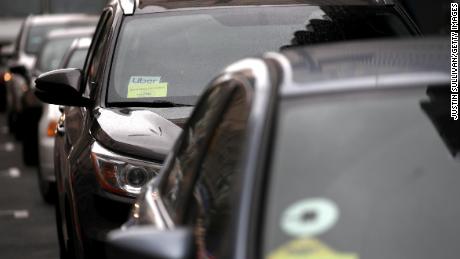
[121,175]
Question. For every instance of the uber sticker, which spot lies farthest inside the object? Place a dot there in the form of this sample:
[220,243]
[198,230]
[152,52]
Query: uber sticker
[146,86]
[309,217]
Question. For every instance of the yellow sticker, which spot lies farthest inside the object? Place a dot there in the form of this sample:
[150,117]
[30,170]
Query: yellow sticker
[308,248]
[146,86]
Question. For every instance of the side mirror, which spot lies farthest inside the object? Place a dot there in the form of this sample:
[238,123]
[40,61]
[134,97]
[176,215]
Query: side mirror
[147,242]
[61,87]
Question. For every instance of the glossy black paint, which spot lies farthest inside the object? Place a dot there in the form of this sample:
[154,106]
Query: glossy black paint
[61,87]
[142,133]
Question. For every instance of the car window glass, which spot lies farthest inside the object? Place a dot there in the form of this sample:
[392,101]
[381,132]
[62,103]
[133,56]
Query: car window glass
[77,58]
[171,56]
[215,188]
[180,177]
[94,53]
[365,175]
[52,54]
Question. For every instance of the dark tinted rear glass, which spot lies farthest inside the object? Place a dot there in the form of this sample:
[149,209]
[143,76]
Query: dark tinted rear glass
[368,175]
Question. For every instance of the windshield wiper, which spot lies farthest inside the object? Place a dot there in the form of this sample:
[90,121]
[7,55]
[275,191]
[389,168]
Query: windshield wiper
[169,104]
[154,104]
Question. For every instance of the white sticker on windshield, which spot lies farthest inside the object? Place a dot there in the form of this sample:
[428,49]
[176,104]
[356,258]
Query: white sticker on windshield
[309,217]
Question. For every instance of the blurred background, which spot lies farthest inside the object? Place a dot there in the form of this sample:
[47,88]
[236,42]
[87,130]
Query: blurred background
[12,13]
[425,13]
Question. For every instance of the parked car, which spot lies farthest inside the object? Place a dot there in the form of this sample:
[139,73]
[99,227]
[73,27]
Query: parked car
[47,126]
[147,65]
[331,151]
[28,44]
[53,51]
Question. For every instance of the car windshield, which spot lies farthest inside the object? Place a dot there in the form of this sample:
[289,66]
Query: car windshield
[171,56]
[37,34]
[370,175]
[77,58]
[52,53]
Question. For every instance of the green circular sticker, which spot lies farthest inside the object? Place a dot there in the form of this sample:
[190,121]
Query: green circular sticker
[309,217]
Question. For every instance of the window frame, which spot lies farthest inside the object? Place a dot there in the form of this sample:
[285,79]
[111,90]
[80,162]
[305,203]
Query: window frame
[103,24]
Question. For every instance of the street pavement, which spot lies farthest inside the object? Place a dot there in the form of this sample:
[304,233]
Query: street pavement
[27,223]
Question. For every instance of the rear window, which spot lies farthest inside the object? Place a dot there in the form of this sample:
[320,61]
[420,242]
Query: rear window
[365,175]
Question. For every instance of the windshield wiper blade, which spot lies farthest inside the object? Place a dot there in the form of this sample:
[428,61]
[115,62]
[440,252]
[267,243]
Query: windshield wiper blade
[169,104]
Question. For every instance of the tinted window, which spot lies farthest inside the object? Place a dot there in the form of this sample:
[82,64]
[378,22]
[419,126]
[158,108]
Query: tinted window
[171,56]
[368,175]
[96,51]
[52,54]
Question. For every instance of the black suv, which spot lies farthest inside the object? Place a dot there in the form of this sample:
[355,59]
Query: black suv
[148,63]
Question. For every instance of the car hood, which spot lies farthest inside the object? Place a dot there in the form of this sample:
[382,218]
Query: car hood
[147,133]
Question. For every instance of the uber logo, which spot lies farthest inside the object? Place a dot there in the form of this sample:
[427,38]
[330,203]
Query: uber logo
[145,79]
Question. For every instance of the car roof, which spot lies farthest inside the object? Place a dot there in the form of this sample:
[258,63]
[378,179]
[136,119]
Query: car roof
[365,64]
[60,18]
[149,6]
[71,32]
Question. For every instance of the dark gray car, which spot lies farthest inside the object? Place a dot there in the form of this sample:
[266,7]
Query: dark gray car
[337,151]
[148,63]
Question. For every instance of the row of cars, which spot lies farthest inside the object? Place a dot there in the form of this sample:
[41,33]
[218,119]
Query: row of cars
[44,43]
[312,152]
